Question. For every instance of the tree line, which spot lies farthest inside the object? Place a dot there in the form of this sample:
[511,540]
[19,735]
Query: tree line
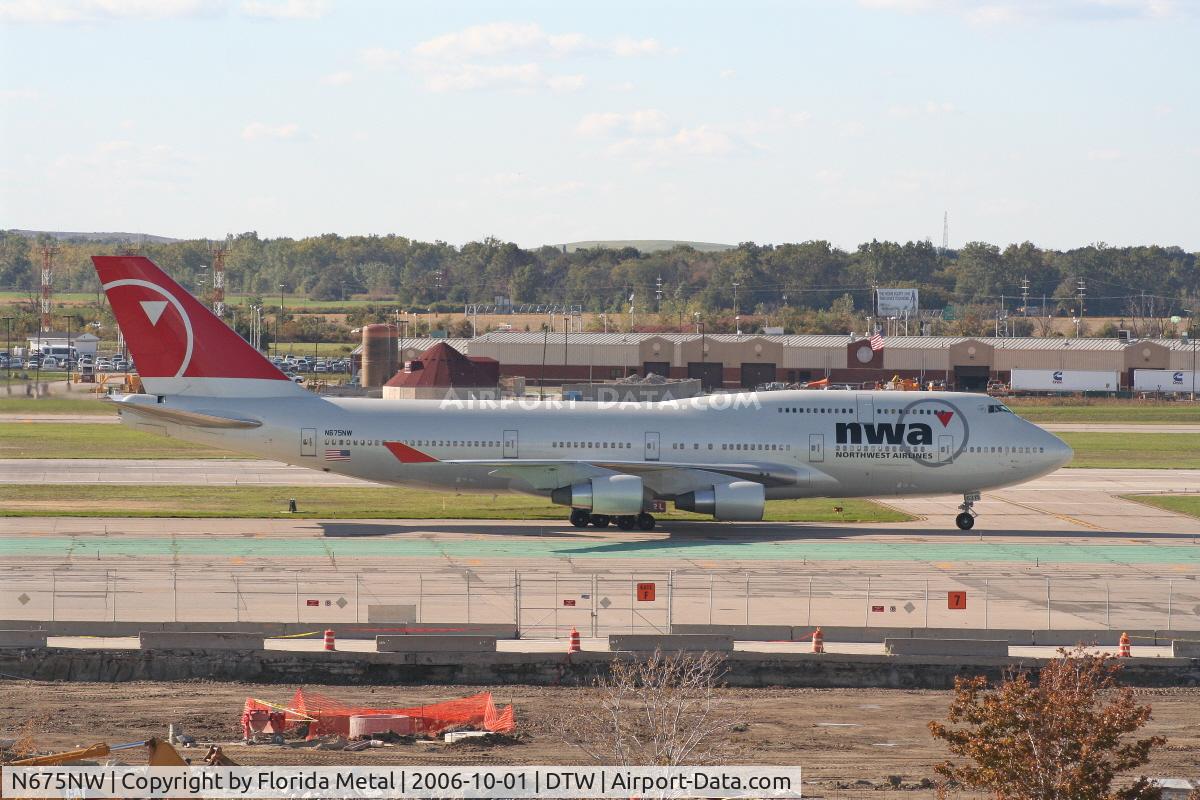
[748,279]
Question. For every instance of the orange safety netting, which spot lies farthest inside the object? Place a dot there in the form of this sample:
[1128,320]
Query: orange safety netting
[330,715]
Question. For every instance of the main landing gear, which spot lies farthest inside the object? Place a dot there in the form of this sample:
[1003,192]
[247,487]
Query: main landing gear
[581,519]
[966,519]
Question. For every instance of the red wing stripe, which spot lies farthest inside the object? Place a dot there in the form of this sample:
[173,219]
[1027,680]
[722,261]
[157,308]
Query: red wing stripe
[408,455]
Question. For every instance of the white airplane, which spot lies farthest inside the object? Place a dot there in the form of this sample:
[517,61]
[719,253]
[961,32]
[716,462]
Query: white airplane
[723,455]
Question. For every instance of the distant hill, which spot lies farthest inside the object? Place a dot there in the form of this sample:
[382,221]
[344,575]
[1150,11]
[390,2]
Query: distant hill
[646,245]
[104,237]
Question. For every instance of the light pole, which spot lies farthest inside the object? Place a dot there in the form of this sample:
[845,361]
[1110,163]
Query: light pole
[277,318]
[68,319]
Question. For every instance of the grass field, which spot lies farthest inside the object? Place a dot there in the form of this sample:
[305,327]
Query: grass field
[1181,504]
[1134,450]
[1129,412]
[53,405]
[354,503]
[55,440]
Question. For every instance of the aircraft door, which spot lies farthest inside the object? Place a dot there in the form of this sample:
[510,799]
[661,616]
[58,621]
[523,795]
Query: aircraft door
[652,445]
[308,441]
[510,444]
[866,408]
[945,447]
[816,447]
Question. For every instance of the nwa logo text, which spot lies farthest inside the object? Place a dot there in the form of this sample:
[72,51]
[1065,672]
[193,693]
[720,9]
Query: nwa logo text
[911,433]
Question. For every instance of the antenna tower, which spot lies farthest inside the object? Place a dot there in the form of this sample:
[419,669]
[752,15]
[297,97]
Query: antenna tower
[945,231]
[218,264]
[1025,296]
[48,253]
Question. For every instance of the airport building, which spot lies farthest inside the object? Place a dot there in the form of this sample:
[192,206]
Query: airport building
[732,361]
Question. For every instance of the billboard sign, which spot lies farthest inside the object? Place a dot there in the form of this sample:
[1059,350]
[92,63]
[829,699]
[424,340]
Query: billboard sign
[1163,380]
[1064,380]
[896,302]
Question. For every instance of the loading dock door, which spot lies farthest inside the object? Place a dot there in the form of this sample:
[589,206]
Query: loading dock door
[971,379]
[657,367]
[755,374]
[510,444]
[308,441]
[816,447]
[652,445]
[710,374]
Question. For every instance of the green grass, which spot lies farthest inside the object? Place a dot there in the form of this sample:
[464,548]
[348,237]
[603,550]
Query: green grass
[1130,412]
[352,503]
[1181,504]
[66,440]
[1135,450]
[17,404]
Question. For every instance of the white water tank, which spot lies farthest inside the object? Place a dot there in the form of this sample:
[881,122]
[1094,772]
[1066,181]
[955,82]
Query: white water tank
[366,724]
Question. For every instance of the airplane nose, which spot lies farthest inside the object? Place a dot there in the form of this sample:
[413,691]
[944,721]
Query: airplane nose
[1058,453]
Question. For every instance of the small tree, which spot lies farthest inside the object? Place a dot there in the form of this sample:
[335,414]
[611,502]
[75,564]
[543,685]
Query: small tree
[1063,738]
[663,711]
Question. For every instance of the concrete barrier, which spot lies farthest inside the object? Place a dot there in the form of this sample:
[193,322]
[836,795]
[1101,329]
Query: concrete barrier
[23,638]
[740,633]
[199,640]
[640,642]
[392,613]
[1185,649]
[988,648]
[435,644]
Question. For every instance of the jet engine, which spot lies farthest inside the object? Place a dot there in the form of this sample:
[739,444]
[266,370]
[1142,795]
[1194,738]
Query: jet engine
[616,495]
[739,501]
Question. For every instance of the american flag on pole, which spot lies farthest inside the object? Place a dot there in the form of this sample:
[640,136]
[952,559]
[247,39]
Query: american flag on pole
[877,340]
[337,455]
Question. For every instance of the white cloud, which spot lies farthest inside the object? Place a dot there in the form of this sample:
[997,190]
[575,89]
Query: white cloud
[468,77]
[1104,154]
[261,130]
[76,11]
[19,94]
[284,9]
[726,74]
[505,54]
[124,160]
[930,108]
[702,140]
[337,78]
[649,120]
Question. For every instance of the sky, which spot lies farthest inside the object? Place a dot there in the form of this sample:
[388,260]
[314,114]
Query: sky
[1062,123]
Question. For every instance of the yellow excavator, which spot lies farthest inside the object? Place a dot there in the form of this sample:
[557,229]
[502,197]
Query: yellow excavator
[161,754]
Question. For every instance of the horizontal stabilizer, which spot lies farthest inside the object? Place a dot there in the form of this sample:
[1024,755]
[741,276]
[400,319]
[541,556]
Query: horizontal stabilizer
[195,419]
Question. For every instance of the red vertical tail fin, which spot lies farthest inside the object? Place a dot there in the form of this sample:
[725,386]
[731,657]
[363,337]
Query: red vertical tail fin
[180,347]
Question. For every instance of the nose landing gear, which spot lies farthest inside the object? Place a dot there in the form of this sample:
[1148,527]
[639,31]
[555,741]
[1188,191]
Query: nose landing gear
[966,520]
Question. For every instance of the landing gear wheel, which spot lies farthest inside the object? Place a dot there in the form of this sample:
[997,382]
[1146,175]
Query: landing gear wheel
[600,520]
[645,521]
[626,523]
[580,518]
[966,520]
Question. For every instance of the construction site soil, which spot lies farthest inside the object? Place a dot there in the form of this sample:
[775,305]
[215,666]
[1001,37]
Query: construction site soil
[846,740]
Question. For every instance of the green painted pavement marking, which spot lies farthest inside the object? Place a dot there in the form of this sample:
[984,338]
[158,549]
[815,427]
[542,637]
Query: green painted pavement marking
[399,546]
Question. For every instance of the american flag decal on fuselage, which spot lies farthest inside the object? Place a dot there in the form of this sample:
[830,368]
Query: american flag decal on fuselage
[337,455]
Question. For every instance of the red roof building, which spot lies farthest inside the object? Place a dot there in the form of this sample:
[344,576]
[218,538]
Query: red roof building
[443,372]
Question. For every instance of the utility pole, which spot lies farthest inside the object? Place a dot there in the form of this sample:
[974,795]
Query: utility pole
[1081,294]
[1025,296]
[8,347]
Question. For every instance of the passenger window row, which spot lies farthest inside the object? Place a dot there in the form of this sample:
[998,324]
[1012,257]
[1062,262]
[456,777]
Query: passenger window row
[594,445]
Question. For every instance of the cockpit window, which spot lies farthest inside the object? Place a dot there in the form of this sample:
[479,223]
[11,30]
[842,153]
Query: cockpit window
[996,408]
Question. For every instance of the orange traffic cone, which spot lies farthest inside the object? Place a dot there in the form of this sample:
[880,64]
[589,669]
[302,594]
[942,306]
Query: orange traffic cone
[1123,650]
[818,641]
[329,639]
[574,647]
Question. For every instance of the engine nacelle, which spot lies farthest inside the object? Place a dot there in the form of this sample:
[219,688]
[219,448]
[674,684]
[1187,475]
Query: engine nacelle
[617,495]
[739,501]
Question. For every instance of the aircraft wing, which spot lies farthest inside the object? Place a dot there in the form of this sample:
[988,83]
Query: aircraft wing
[765,473]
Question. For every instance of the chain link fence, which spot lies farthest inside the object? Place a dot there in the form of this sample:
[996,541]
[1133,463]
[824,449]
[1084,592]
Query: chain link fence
[541,604]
